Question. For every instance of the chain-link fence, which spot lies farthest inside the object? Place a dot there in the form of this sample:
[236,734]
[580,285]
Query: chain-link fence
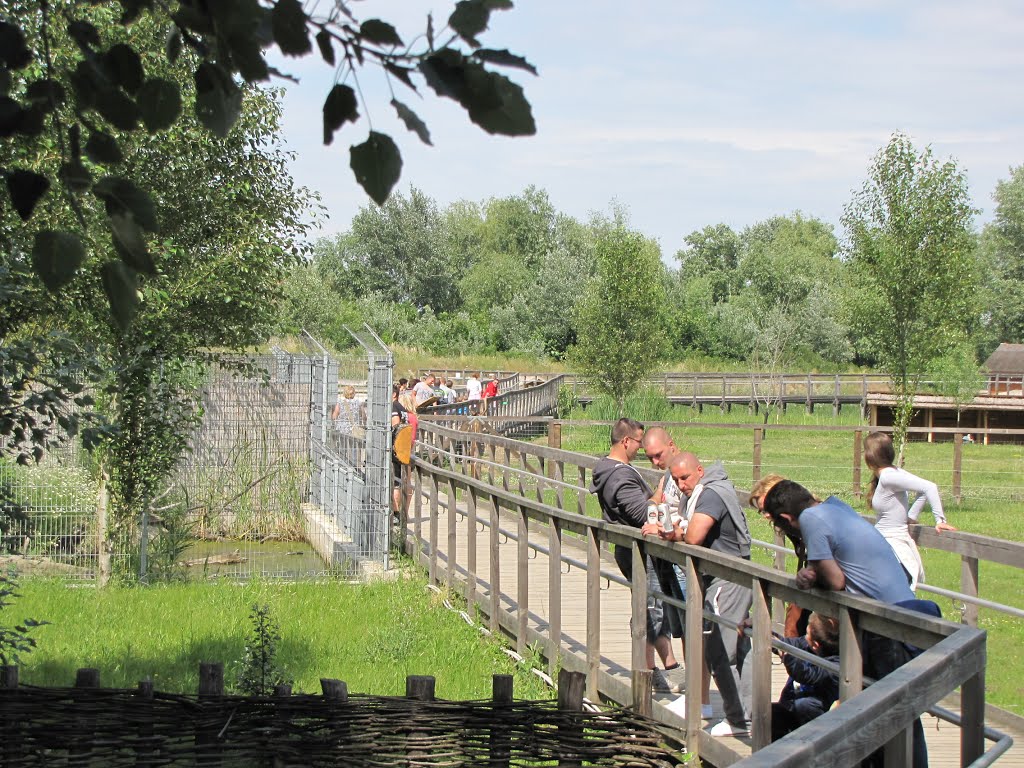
[275,483]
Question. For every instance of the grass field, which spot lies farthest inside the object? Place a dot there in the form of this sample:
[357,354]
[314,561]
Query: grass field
[371,636]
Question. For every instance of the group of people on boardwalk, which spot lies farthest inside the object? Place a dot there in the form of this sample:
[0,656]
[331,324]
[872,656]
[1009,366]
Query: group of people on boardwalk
[836,549]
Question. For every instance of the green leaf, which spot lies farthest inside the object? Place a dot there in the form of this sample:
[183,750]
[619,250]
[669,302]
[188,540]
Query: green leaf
[173,47]
[10,116]
[117,108]
[445,72]
[377,165]
[159,101]
[26,188]
[248,57]
[102,148]
[122,196]
[14,51]
[130,243]
[76,175]
[504,58]
[412,121]
[124,67]
[130,10]
[84,33]
[497,104]
[323,42]
[289,24]
[339,107]
[86,80]
[380,32]
[218,99]
[56,256]
[120,283]
[402,73]
[469,19]
[48,94]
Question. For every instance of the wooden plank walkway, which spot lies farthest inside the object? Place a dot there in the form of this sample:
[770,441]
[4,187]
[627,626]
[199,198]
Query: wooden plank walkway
[943,738]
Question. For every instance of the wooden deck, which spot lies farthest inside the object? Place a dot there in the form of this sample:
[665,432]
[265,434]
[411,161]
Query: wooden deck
[943,738]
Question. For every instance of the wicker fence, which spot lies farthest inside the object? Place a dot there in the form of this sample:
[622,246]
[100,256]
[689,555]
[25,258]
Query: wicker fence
[89,725]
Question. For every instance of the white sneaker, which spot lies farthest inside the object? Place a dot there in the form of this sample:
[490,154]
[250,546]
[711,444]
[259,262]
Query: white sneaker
[679,707]
[725,728]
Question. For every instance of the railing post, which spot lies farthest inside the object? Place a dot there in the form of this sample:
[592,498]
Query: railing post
[522,581]
[694,640]
[471,547]
[958,457]
[554,594]
[451,556]
[810,394]
[555,434]
[417,504]
[851,657]
[836,404]
[211,686]
[432,570]
[858,451]
[495,567]
[638,631]
[11,744]
[969,586]
[761,660]
[756,468]
[972,724]
[593,613]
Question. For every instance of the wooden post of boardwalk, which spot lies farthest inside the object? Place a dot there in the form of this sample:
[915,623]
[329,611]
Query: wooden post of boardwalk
[88,679]
[281,718]
[211,688]
[642,703]
[500,741]
[570,699]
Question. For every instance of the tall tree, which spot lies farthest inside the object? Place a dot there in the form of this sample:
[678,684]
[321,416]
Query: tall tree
[1001,252]
[912,264]
[95,94]
[620,322]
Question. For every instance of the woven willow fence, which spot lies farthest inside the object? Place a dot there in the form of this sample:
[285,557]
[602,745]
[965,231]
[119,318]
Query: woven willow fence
[112,727]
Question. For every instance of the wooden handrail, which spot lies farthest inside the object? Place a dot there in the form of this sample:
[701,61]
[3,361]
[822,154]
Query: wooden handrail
[956,655]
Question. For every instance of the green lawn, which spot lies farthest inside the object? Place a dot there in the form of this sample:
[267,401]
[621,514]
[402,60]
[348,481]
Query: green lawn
[371,636]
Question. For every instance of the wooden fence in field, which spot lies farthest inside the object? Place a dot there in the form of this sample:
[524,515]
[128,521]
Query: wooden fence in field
[90,725]
[537,495]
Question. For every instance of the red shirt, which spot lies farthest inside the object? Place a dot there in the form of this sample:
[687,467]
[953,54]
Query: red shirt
[491,389]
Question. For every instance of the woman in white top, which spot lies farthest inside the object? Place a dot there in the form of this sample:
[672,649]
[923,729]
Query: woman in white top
[888,498]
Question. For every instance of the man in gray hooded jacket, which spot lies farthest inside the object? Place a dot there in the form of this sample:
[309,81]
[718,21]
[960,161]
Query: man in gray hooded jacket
[715,519]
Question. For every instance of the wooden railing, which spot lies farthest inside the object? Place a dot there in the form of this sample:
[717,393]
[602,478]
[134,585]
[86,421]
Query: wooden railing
[508,408]
[481,481]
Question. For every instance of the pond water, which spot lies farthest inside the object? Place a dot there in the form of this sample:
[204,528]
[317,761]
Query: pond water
[247,559]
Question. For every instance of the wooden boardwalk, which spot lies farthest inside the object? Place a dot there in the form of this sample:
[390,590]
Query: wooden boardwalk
[943,738]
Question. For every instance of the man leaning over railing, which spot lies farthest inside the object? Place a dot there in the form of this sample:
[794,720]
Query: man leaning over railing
[714,519]
[845,552]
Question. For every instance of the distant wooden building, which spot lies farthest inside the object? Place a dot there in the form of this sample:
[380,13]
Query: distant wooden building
[1006,370]
[999,406]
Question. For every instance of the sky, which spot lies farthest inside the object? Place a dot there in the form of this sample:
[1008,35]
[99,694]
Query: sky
[694,113]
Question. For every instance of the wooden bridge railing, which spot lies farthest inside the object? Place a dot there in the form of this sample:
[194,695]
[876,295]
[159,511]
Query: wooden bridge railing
[480,483]
[526,402]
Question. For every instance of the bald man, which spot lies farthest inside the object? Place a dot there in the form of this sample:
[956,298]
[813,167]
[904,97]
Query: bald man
[716,520]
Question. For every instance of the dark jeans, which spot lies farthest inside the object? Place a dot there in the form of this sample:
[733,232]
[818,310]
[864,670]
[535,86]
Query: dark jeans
[882,655]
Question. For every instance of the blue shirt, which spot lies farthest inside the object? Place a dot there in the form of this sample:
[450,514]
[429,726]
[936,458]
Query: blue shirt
[833,530]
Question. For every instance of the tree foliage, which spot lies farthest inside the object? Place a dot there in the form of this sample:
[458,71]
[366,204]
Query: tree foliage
[912,271]
[620,322]
[1001,253]
[77,79]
